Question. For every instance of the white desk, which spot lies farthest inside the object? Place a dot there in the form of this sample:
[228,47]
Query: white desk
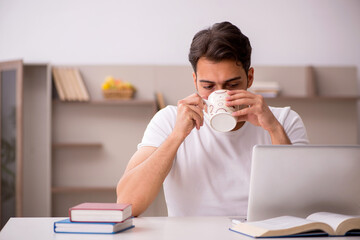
[145,228]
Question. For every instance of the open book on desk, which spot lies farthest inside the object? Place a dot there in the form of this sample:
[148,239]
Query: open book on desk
[321,223]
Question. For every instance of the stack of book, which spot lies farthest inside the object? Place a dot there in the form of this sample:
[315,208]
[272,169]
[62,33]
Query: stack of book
[69,84]
[98,218]
[266,89]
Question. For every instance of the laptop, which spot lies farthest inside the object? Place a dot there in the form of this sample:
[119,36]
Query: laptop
[300,180]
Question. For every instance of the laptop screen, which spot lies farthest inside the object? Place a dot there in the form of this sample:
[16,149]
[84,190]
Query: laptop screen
[300,180]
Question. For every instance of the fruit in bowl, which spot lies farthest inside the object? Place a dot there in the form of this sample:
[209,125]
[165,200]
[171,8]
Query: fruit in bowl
[117,89]
[112,83]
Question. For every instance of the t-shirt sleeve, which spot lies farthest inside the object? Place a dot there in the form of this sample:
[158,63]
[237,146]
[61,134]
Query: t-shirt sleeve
[294,127]
[159,128]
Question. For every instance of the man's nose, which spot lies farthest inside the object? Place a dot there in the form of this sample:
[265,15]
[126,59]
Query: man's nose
[218,87]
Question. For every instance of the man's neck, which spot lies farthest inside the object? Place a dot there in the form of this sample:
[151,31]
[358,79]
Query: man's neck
[238,126]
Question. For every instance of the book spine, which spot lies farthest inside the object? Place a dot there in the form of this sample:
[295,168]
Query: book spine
[83,89]
[58,84]
[70,87]
[76,85]
[64,83]
[70,215]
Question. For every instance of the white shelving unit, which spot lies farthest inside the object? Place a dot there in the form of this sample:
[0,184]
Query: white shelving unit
[77,151]
[95,139]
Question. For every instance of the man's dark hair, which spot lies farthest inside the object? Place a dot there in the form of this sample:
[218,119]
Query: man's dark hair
[222,41]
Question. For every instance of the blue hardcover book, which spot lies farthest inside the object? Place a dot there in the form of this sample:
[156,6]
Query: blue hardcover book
[66,226]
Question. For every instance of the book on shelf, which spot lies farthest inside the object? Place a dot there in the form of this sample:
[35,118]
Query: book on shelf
[67,226]
[65,84]
[82,88]
[100,212]
[266,89]
[321,223]
[160,102]
[58,84]
[69,84]
[72,88]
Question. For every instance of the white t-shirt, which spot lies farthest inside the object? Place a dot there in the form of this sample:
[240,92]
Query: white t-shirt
[211,171]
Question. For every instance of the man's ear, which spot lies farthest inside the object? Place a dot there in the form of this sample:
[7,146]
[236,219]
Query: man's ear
[250,77]
[195,81]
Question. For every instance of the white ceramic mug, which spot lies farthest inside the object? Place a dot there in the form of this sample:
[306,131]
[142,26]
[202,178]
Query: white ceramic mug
[218,113]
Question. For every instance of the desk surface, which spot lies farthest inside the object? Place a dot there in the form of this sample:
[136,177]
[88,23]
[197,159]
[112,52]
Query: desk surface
[145,228]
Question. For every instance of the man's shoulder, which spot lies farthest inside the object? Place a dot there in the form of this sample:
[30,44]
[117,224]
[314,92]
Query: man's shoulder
[282,113]
[169,109]
[279,110]
[167,113]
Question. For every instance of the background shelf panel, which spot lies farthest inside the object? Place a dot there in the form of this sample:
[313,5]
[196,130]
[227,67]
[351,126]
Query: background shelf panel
[126,102]
[320,98]
[56,190]
[90,143]
[77,145]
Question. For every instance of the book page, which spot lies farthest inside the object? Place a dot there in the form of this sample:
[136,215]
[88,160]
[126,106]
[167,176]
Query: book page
[280,226]
[284,222]
[333,219]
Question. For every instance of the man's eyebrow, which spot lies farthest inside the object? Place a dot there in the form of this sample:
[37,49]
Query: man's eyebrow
[206,81]
[229,80]
[233,79]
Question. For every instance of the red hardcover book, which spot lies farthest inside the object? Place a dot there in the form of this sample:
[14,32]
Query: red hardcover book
[100,212]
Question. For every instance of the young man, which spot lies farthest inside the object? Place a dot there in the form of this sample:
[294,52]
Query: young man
[205,172]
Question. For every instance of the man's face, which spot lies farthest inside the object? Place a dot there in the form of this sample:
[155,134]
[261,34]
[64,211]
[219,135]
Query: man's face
[226,74]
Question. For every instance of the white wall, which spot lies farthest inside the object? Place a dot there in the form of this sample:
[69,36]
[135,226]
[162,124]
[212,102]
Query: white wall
[287,32]
[325,32]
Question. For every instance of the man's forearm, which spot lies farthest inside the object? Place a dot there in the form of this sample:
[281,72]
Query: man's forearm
[141,184]
[279,136]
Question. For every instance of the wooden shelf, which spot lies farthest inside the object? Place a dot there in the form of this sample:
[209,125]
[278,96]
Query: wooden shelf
[125,102]
[340,98]
[77,145]
[56,190]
